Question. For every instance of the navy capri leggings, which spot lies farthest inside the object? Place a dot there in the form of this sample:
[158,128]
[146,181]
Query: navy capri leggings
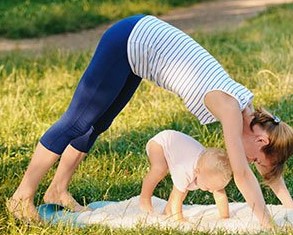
[105,88]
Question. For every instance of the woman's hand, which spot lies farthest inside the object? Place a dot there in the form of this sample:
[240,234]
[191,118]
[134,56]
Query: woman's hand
[278,186]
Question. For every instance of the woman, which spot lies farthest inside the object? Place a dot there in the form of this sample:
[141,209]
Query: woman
[146,47]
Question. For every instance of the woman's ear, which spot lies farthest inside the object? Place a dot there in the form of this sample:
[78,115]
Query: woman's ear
[261,137]
[262,140]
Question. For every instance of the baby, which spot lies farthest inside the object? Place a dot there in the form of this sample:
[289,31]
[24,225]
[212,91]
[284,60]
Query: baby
[191,167]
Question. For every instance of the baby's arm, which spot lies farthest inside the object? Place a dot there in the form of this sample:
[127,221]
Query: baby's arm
[221,200]
[174,205]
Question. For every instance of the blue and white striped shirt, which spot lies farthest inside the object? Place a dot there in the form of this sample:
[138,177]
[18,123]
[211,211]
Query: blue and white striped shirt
[167,56]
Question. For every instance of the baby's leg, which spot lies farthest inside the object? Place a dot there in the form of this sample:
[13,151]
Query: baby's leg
[158,170]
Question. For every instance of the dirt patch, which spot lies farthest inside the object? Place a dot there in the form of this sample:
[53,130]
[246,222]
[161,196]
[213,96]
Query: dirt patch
[206,16]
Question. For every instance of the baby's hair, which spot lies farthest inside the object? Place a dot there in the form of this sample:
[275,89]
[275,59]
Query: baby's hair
[221,162]
[280,147]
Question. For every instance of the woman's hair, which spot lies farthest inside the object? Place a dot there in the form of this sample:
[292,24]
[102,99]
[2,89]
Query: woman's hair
[280,146]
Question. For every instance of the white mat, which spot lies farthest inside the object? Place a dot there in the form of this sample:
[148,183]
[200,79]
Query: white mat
[126,214]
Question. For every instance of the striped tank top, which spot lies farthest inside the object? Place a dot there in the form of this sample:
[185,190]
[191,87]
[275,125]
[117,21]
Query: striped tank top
[159,52]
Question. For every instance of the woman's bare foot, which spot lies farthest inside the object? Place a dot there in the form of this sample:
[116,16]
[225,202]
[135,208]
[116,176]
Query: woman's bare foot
[23,209]
[64,199]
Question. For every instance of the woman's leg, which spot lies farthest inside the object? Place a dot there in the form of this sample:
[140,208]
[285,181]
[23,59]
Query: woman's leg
[21,204]
[74,153]
[57,192]
[158,170]
[97,89]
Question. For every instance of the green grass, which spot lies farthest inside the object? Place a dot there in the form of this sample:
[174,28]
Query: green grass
[36,18]
[35,91]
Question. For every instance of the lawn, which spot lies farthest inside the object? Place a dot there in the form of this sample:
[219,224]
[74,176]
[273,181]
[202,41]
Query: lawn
[35,91]
[37,18]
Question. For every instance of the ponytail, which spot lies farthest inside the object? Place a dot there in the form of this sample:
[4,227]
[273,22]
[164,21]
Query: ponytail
[280,146]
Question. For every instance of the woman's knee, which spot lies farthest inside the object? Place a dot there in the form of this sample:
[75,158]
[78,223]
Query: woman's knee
[100,127]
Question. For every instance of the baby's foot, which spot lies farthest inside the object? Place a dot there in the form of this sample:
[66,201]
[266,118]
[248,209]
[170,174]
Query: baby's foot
[64,199]
[145,205]
[23,209]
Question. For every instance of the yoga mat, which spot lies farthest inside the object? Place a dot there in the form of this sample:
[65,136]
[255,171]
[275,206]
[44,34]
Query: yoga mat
[54,213]
[126,214]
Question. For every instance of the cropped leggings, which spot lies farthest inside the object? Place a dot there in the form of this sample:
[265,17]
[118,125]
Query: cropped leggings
[105,88]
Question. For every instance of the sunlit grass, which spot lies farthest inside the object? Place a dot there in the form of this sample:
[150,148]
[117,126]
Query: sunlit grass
[35,91]
[35,18]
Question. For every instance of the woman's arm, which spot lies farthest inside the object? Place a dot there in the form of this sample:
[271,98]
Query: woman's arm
[174,205]
[222,203]
[226,109]
[279,188]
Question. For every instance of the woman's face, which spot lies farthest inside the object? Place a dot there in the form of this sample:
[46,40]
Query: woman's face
[253,141]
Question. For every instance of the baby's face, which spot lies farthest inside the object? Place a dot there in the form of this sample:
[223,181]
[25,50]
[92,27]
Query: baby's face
[209,181]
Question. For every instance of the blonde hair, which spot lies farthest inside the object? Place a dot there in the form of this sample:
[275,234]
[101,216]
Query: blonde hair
[219,162]
[280,146]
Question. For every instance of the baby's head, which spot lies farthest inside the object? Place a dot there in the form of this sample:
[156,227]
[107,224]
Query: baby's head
[213,171]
